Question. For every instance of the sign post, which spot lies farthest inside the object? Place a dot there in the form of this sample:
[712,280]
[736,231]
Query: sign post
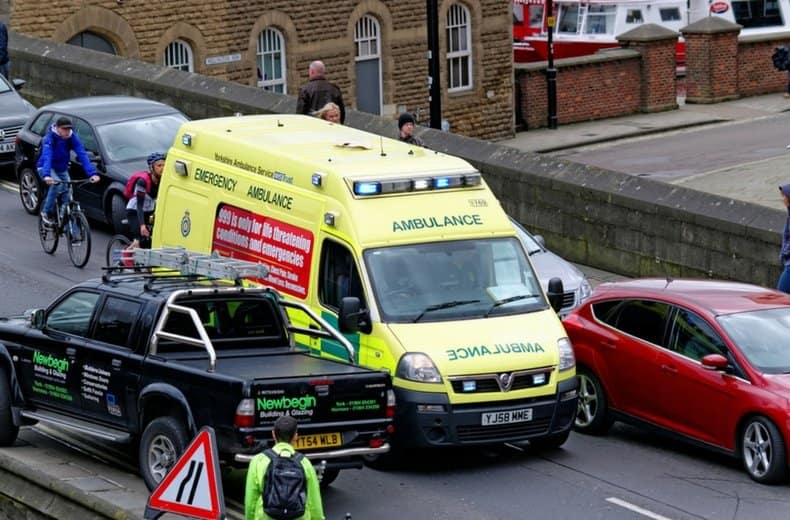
[193,487]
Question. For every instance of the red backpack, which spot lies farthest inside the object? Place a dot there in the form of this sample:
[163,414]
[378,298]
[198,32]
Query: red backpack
[128,190]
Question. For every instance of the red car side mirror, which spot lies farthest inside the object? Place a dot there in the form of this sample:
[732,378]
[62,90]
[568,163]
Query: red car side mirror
[715,362]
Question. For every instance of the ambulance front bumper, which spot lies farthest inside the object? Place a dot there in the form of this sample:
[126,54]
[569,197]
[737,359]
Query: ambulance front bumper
[426,419]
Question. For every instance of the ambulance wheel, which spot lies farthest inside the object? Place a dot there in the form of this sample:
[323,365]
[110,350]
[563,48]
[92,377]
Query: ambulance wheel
[163,442]
[551,442]
[117,213]
[8,430]
[328,477]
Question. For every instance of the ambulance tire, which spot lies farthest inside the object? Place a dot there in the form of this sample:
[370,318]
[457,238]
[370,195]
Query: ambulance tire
[328,477]
[163,442]
[592,416]
[8,430]
[550,442]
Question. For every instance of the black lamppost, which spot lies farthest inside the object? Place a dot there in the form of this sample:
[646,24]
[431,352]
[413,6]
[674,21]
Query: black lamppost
[435,95]
[551,72]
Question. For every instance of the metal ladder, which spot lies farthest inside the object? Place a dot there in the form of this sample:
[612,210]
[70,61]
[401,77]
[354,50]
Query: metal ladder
[203,264]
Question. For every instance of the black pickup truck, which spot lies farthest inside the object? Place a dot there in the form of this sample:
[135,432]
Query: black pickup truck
[151,357]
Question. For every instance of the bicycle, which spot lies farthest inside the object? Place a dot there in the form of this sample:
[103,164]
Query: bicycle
[120,242]
[70,222]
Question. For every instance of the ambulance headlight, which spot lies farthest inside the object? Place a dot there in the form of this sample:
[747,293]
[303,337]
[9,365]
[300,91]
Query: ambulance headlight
[418,367]
[567,359]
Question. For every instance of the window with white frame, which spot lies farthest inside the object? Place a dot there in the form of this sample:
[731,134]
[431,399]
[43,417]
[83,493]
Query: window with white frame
[178,55]
[271,60]
[459,48]
[366,38]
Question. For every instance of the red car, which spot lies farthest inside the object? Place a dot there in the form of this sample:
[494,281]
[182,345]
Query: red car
[708,360]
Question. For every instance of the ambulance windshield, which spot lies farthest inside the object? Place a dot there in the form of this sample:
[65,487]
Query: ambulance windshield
[441,281]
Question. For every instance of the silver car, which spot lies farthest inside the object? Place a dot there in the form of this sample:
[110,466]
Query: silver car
[14,111]
[576,288]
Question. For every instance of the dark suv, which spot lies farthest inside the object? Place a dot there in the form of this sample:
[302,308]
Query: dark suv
[118,132]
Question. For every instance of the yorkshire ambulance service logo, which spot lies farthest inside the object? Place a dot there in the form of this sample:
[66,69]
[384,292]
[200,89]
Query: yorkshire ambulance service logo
[186,225]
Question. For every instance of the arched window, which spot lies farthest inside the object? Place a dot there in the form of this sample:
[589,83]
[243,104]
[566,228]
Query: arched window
[459,48]
[91,40]
[271,60]
[178,55]
[368,64]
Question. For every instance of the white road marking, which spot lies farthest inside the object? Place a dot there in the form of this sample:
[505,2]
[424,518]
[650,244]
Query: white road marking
[10,186]
[636,509]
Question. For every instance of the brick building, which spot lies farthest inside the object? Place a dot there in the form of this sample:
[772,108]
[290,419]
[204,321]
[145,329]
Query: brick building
[374,50]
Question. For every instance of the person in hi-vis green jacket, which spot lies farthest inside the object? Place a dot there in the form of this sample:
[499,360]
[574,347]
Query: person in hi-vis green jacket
[284,434]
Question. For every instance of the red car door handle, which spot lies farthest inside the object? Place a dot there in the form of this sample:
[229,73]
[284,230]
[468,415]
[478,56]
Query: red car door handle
[670,369]
[609,344]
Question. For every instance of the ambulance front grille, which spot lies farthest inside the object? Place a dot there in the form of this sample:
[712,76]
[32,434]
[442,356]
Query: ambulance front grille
[472,433]
[488,383]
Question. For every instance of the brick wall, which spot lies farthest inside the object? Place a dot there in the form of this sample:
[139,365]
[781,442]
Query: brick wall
[585,88]
[312,29]
[756,73]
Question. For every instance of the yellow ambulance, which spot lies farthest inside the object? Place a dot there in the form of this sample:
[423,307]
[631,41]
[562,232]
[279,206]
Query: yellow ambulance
[405,249]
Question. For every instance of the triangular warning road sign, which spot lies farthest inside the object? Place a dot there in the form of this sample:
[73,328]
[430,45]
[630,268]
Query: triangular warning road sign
[193,487]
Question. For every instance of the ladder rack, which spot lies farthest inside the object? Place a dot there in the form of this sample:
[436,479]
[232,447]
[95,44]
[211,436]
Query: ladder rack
[202,264]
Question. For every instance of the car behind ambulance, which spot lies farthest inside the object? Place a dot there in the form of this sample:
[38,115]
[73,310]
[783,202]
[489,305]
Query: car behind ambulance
[406,249]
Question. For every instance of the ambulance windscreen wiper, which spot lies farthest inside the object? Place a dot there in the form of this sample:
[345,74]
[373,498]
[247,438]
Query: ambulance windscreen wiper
[440,306]
[510,299]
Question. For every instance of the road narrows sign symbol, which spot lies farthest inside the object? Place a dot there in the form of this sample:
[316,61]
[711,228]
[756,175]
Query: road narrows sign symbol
[193,487]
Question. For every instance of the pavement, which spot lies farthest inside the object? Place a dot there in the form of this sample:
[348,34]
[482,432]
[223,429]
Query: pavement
[85,488]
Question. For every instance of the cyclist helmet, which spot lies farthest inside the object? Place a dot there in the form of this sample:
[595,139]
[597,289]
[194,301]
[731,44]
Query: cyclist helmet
[156,156]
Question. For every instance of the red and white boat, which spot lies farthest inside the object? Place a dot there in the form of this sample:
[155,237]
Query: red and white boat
[585,26]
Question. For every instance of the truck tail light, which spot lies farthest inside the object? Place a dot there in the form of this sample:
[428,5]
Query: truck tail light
[390,404]
[376,442]
[245,414]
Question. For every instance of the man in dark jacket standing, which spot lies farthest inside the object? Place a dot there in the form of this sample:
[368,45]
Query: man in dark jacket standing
[3,50]
[318,91]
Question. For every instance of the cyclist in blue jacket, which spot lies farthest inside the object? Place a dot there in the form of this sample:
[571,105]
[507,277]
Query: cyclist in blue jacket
[53,164]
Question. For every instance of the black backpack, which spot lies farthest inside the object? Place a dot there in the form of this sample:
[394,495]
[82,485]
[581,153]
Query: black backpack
[284,486]
[781,58]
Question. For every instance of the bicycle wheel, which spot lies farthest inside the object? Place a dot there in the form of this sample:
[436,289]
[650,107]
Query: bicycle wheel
[115,247]
[78,233]
[49,236]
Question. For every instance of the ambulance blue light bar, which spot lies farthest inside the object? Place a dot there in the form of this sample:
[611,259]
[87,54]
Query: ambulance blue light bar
[382,187]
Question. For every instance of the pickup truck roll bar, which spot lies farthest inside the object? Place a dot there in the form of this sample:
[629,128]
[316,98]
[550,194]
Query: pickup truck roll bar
[212,266]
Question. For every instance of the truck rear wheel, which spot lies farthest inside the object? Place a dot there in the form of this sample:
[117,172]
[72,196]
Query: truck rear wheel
[163,442]
[328,477]
[8,430]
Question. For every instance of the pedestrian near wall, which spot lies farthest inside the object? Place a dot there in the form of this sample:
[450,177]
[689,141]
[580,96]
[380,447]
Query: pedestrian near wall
[256,491]
[318,91]
[3,50]
[784,254]
[406,124]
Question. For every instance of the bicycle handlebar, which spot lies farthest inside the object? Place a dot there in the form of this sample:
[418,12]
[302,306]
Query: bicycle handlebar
[78,181]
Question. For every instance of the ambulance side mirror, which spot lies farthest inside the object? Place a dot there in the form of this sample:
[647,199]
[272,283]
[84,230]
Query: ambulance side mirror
[555,293]
[352,317]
